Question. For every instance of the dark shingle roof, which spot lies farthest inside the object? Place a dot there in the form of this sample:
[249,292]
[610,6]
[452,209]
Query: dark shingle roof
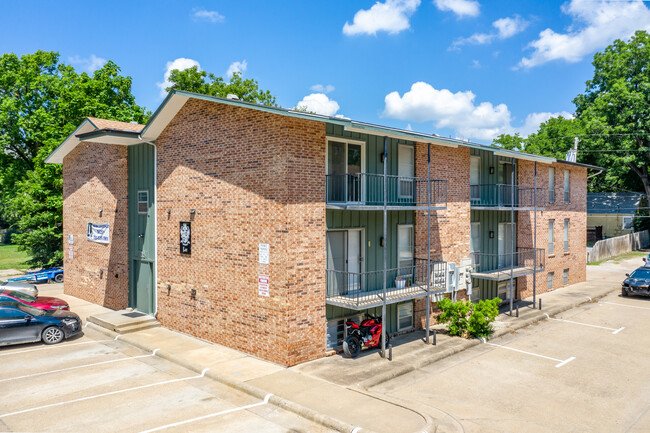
[613,202]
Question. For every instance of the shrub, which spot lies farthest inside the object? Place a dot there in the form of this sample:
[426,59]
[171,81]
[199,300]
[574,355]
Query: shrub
[466,319]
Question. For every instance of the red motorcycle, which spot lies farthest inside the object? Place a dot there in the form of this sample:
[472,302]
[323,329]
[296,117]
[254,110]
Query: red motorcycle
[368,334]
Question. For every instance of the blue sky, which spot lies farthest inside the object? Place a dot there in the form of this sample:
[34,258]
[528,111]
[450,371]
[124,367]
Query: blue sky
[463,68]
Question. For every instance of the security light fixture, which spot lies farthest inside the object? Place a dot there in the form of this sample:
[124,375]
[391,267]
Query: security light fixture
[491,170]
[381,241]
[382,157]
[193,293]
[491,234]
[101,273]
[192,211]
[101,211]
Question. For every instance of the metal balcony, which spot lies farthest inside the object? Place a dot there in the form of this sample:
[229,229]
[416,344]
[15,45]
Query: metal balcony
[506,197]
[365,191]
[500,267]
[362,290]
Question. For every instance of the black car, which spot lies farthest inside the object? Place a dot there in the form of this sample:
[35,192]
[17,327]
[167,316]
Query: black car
[637,283]
[23,324]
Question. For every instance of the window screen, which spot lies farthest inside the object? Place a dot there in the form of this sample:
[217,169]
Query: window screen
[565,277]
[551,237]
[550,280]
[405,316]
[143,202]
[551,184]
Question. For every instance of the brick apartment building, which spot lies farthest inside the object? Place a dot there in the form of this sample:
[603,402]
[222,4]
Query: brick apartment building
[297,221]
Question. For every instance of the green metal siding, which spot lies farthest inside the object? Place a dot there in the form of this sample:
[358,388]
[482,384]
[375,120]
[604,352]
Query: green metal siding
[490,220]
[141,160]
[489,159]
[372,222]
[374,148]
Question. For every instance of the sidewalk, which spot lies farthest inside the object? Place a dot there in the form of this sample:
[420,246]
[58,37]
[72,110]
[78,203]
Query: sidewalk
[336,391]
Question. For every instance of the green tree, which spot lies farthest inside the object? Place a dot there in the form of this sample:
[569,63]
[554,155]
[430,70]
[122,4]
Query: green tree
[193,80]
[42,101]
[615,110]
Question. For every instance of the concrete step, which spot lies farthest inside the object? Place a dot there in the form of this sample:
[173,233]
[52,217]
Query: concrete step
[124,321]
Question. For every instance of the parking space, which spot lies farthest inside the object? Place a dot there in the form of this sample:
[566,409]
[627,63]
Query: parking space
[94,383]
[585,370]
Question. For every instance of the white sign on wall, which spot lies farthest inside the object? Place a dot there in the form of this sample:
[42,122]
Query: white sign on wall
[70,239]
[98,233]
[263,285]
[70,253]
[265,253]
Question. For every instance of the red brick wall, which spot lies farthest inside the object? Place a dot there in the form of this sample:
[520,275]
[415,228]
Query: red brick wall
[576,211]
[253,178]
[450,228]
[94,178]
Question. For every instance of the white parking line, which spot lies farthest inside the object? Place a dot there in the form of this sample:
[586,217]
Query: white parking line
[58,346]
[560,362]
[79,366]
[623,305]
[61,403]
[616,331]
[237,409]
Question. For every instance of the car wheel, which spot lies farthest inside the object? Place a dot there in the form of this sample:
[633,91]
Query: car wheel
[58,278]
[624,292]
[52,335]
[352,346]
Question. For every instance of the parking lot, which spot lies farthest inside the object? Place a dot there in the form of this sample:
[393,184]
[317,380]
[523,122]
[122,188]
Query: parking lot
[95,383]
[584,370]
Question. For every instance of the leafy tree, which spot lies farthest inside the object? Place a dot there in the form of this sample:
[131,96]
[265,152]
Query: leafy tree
[615,110]
[42,101]
[510,142]
[193,80]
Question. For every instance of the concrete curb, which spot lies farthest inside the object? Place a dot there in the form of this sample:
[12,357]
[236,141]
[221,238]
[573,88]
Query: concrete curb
[302,411]
[422,361]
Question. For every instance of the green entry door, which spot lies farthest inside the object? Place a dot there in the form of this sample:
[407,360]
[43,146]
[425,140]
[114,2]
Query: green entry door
[142,228]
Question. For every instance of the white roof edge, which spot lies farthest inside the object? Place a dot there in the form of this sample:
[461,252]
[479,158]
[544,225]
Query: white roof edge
[68,145]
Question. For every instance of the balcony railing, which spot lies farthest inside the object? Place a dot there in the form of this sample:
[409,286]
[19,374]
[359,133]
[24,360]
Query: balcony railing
[506,196]
[367,189]
[500,266]
[361,290]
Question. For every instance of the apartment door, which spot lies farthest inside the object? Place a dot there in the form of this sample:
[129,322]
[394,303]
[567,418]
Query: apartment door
[506,245]
[507,171]
[345,163]
[406,171]
[344,261]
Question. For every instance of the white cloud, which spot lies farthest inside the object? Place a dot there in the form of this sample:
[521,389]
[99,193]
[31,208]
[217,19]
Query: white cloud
[533,120]
[205,15]
[504,29]
[236,67]
[320,88]
[461,8]
[91,63]
[392,16]
[181,64]
[457,111]
[319,103]
[595,25]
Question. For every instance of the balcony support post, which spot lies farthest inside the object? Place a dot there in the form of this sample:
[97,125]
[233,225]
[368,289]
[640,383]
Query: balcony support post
[535,238]
[512,231]
[385,252]
[428,242]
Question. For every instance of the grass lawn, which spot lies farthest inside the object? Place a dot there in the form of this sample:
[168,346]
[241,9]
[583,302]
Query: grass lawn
[11,258]
[622,257]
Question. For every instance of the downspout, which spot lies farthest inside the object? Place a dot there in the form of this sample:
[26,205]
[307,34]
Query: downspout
[155,221]
[512,229]
[385,252]
[535,238]
[428,241]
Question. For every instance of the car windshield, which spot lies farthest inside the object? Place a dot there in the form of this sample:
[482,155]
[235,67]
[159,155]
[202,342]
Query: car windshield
[21,296]
[641,274]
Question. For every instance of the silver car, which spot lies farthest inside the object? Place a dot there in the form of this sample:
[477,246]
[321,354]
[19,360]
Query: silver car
[26,288]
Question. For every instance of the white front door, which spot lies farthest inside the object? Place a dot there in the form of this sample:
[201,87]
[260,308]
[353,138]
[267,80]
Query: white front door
[506,244]
[355,260]
[406,171]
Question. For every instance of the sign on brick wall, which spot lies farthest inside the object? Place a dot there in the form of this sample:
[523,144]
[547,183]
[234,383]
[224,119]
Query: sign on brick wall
[186,237]
[263,285]
[264,253]
[98,233]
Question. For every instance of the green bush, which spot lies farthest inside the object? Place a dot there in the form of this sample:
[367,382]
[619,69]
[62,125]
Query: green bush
[466,319]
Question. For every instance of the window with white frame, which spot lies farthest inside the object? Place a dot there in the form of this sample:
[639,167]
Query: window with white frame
[475,242]
[405,247]
[405,316]
[566,235]
[406,170]
[143,202]
[565,277]
[627,223]
[567,187]
[549,281]
[551,184]
[475,177]
[551,237]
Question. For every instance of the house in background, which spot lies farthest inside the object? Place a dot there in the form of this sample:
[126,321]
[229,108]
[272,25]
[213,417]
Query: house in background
[610,214]
[263,229]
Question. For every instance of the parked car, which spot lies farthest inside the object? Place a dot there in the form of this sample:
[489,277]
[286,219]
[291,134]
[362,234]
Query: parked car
[41,302]
[20,323]
[26,288]
[638,282]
